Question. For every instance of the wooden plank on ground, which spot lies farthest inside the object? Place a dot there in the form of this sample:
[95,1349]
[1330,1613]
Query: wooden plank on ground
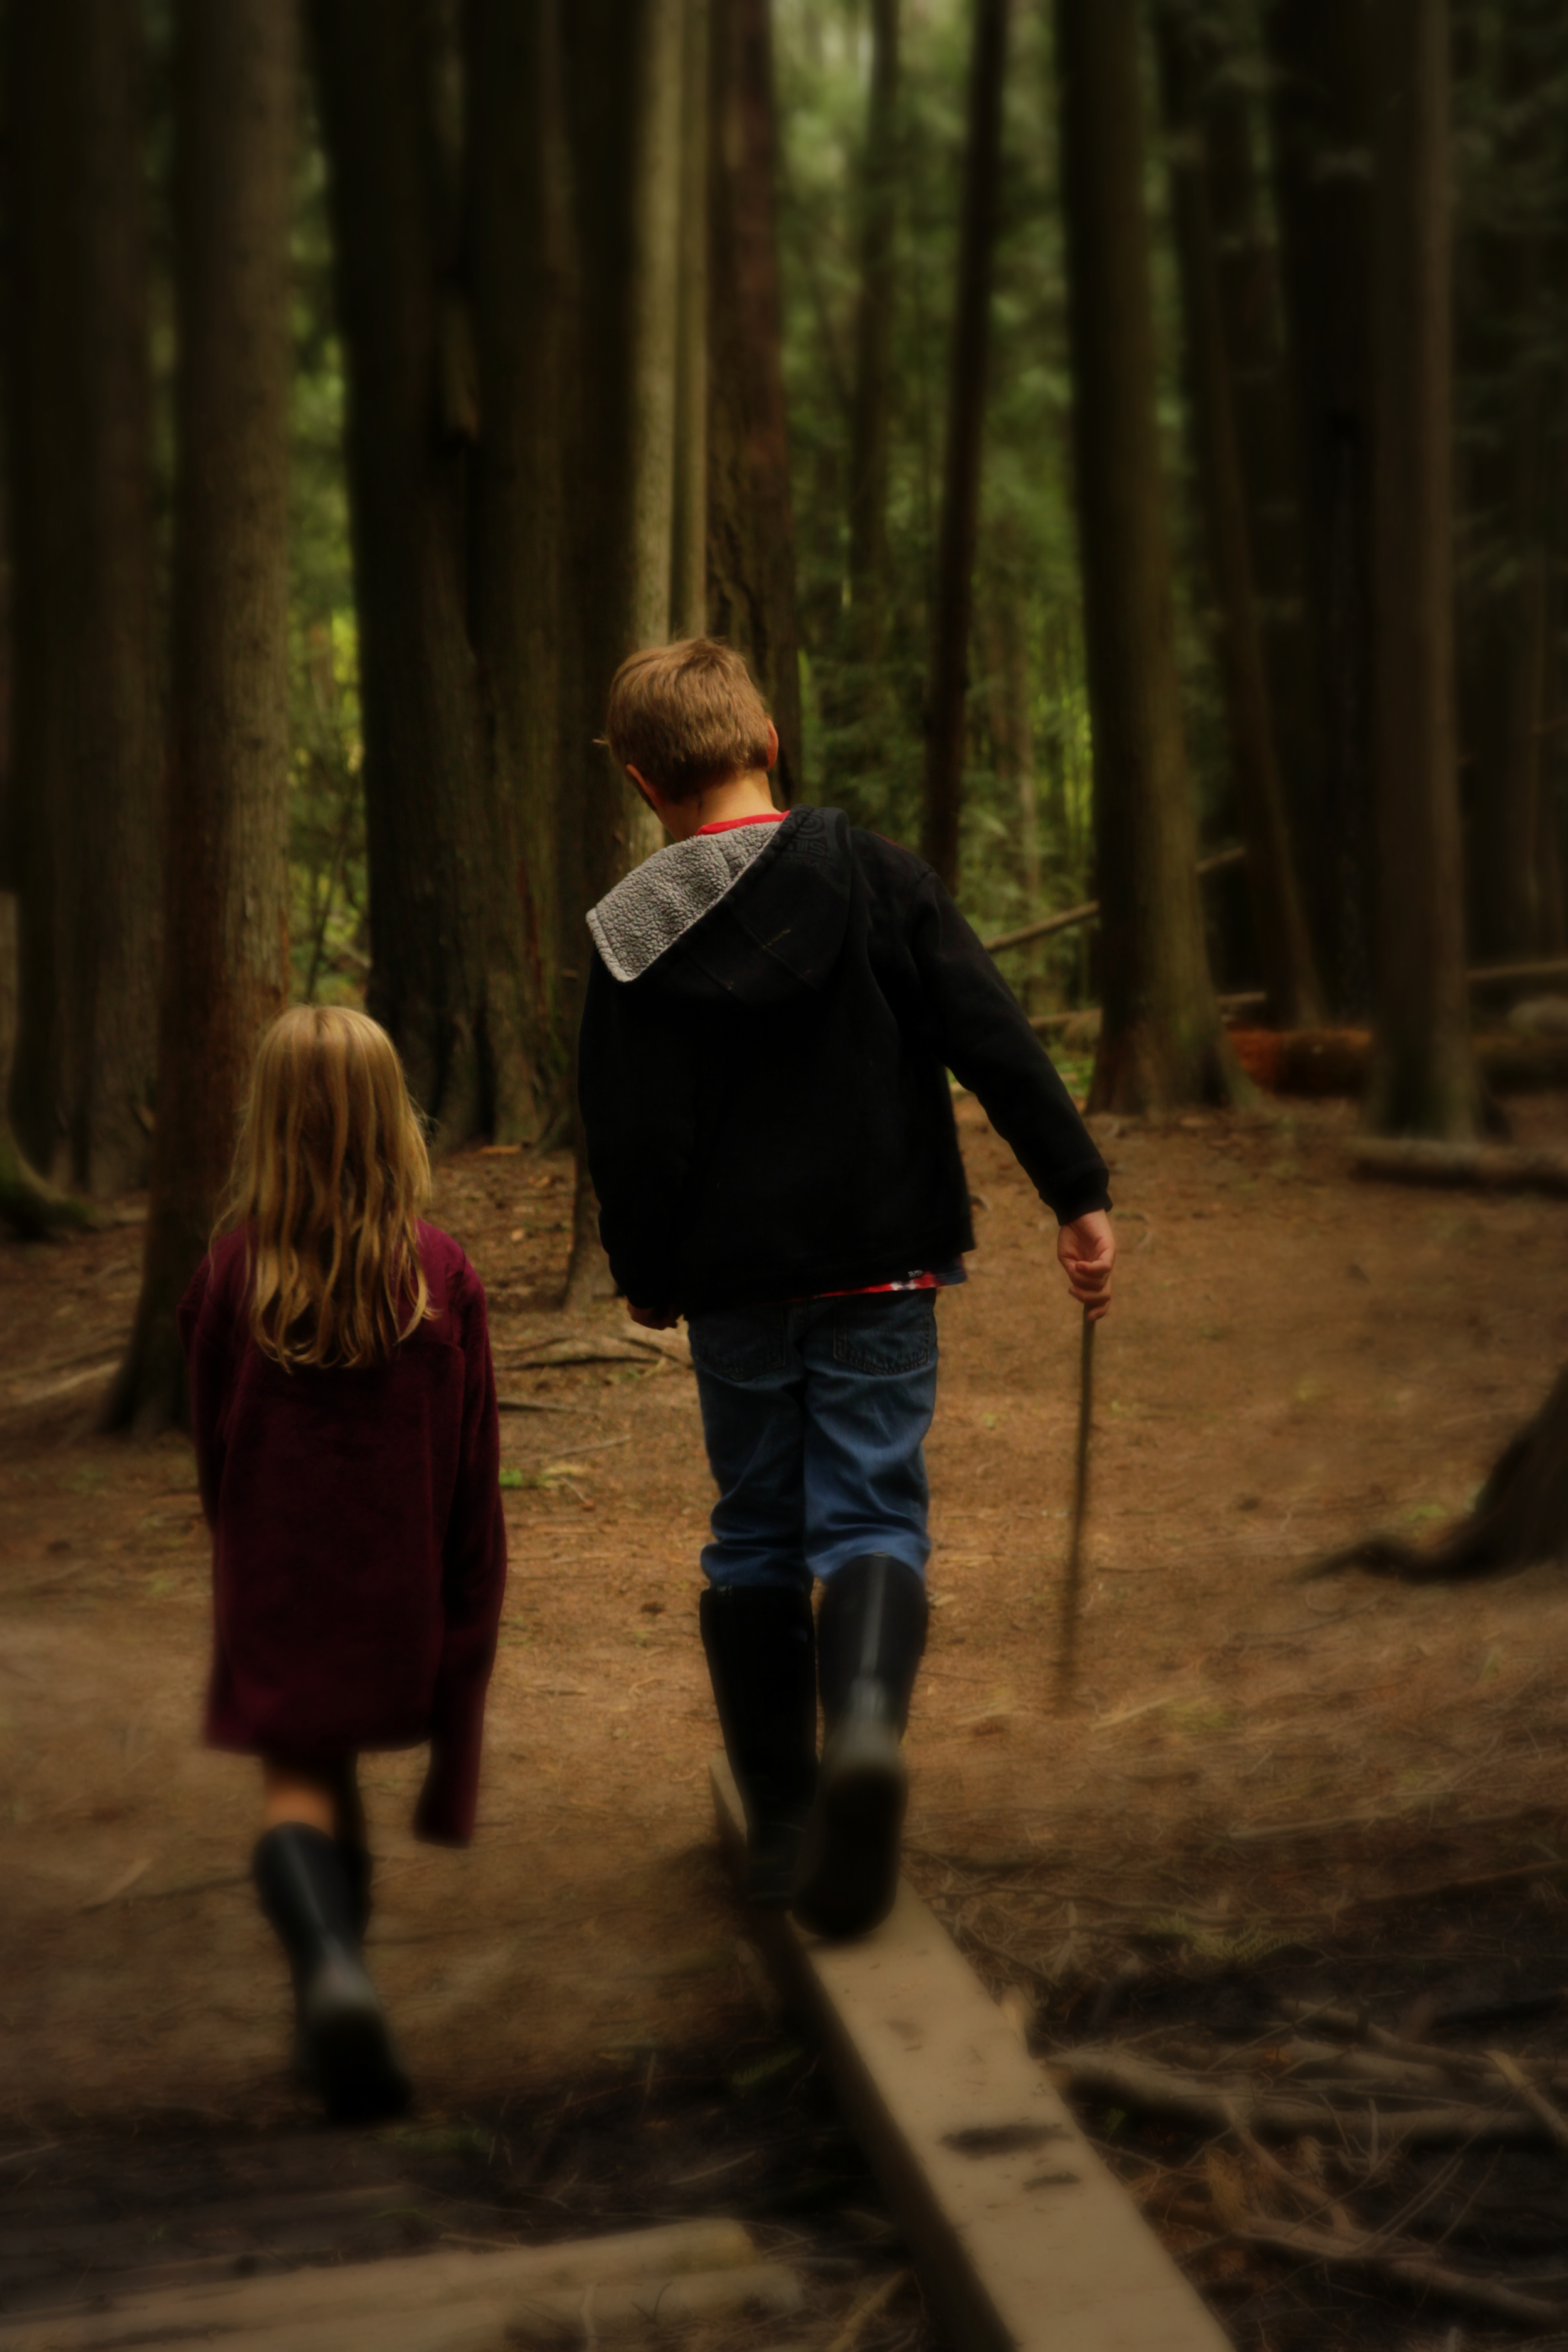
[1023,2238]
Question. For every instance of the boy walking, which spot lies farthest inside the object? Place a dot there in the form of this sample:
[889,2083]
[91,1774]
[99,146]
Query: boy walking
[773,1005]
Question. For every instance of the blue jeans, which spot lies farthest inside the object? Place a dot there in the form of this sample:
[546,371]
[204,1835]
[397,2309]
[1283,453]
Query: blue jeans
[814,1414]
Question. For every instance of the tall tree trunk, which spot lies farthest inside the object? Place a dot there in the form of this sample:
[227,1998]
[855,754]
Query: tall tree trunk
[653,293]
[1321,86]
[947,667]
[1267,444]
[689,582]
[28,1205]
[1012,724]
[1512,386]
[1187,59]
[1161,1040]
[750,537]
[521,263]
[86,753]
[625,64]
[447,977]
[1424,1079]
[226,963]
[871,419]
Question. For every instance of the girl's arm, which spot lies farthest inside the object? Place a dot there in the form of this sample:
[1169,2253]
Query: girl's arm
[473,1581]
[204,1336]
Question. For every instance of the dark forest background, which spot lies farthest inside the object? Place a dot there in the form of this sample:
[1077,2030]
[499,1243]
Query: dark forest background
[1126,435]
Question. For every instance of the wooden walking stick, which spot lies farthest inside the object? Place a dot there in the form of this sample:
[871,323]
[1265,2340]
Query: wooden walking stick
[1067,1664]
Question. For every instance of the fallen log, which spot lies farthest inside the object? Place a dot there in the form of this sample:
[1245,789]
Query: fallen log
[1493,1167]
[1322,1062]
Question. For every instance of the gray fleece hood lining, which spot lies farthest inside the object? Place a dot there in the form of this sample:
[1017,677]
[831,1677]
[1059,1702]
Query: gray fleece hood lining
[661,899]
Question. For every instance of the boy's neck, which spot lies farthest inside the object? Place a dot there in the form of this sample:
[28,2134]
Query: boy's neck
[737,796]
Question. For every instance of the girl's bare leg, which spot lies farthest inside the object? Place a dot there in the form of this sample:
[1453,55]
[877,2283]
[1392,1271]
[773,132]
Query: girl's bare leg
[291,1794]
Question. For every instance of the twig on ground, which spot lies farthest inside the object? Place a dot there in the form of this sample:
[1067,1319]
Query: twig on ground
[865,2310]
[1468,2066]
[1535,2100]
[1408,2266]
[1147,2087]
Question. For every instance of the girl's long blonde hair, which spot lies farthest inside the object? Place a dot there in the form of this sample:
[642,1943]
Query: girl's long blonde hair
[329,1177]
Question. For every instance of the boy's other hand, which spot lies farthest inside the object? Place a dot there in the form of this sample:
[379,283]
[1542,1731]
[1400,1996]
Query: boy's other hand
[654,1318]
[1087,1251]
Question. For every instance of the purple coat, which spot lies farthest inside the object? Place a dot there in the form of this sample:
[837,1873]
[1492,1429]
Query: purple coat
[359,1550]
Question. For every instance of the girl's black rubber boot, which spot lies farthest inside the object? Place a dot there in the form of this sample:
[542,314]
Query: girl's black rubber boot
[761,1644]
[358,1869]
[871,1634]
[346,2043]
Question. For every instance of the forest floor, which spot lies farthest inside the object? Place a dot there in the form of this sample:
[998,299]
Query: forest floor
[1263,1789]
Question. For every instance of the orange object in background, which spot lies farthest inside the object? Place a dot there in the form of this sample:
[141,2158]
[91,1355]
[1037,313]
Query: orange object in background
[1260,1053]
[1305,1061]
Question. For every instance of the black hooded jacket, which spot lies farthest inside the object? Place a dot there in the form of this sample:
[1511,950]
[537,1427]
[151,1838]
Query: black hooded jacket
[771,1015]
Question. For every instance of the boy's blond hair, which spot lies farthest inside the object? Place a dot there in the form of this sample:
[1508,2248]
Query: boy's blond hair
[330,1176]
[687,715]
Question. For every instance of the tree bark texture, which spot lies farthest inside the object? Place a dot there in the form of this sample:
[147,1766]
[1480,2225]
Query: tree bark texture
[1267,444]
[751,536]
[952,601]
[871,419]
[1424,1079]
[1283,947]
[688,568]
[1160,1039]
[1319,52]
[1520,1518]
[1512,388]
[521,259]
[28,1204]
[623,58]
[653,291]
[1011,721]
[86,755]
[225,967]
[447,976]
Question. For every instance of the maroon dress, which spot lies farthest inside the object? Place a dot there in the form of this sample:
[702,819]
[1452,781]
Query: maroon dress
[359,1550]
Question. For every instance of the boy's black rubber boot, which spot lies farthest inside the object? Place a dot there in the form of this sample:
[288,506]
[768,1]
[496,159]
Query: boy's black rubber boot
[760,1644]
[871,1634]
[345,2044]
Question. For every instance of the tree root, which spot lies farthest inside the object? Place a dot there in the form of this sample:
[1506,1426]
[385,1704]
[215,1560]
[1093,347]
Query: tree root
[32,1208]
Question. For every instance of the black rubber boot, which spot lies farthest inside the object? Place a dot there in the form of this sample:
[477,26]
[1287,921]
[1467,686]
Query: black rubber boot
[871,1636]
[760,1643]
[347,2046]
[357,1868]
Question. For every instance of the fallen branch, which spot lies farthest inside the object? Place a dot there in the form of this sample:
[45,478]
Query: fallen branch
[1070,916]
[866,2308]
[1146,2087]
[1411,2267]
[1518,1874]
[1465,2063]
[1535,2100]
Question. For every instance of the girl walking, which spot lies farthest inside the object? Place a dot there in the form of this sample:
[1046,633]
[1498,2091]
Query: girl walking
[344,1404]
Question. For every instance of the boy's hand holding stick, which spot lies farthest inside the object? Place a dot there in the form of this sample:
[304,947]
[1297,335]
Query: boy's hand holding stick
[1086,1250]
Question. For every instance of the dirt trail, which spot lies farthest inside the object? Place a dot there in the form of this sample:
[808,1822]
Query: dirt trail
[1294,1357]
